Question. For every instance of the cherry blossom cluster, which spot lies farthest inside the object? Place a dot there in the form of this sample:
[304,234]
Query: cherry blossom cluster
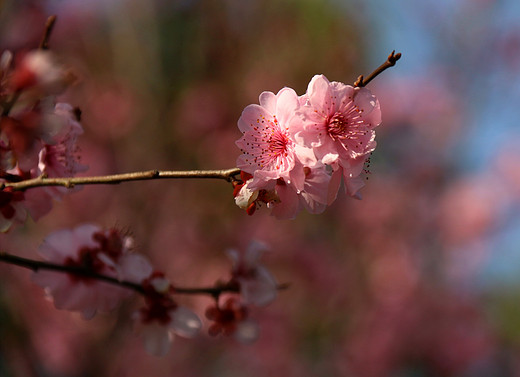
[37,134]
[296,149]
[100,268]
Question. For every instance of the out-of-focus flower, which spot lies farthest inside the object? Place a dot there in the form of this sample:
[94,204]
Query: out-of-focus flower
[5,63]
[23,135]
[11,208]
[232,319]
[162,316]
[92,250]
[338,122]
[39,141]
[38,70]
[59,157]
[257,285]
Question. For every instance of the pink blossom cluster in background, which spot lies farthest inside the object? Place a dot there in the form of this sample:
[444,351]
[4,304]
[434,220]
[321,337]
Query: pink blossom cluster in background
[296,149]
[38,134]
[94,252]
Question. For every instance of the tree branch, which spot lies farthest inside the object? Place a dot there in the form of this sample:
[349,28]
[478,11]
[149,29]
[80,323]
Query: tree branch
[79,271]
[390,62]
[226,174]
[49,25]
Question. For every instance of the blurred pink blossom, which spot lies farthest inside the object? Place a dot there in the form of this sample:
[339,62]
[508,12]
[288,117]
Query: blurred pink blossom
[257,285]
[60,158]
[94,250]
[232,318]
[161,317]
[40,72]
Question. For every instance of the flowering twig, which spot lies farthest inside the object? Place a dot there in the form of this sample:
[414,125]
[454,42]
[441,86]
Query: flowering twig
[226,174]
[390,62]
[79,271]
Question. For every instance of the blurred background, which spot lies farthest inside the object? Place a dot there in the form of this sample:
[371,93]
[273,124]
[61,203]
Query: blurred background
[420,278]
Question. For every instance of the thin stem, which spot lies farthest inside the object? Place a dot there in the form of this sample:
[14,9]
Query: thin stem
[79,271]
[49,25]
[226,174]
[34,265]
[390,62]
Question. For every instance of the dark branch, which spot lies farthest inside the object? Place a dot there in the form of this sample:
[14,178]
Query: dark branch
[34,265]
[49,25]
[390,62]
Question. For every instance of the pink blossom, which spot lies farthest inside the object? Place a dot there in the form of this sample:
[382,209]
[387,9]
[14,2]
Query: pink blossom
[96,251]
[284,200]
[268,147]
[232,318]
[22,132]
[162,316]
[39,71]
[15,205]
[59,156]
[30,128]
[257,285]
[338,122]
[12,209]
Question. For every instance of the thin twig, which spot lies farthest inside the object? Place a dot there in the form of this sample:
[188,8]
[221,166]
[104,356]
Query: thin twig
[74,270]
[390,62]
[49,25]
[79,271]
[226,174]
[34,265]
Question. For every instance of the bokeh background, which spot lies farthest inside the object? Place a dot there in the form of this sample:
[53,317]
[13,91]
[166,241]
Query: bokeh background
[420,278]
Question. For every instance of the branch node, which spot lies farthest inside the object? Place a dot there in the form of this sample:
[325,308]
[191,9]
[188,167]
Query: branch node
[359,81]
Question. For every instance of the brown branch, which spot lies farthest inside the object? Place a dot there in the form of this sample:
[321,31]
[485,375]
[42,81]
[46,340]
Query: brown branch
[49,25]
[79,271]
[226,174]
[34,265]
[390,62]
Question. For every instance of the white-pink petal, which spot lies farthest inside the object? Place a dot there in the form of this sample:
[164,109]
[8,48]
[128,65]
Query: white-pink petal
[185,322]
[156,338]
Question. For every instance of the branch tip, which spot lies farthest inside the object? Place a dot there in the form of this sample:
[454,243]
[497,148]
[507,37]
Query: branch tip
[390,62]
[49,25]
